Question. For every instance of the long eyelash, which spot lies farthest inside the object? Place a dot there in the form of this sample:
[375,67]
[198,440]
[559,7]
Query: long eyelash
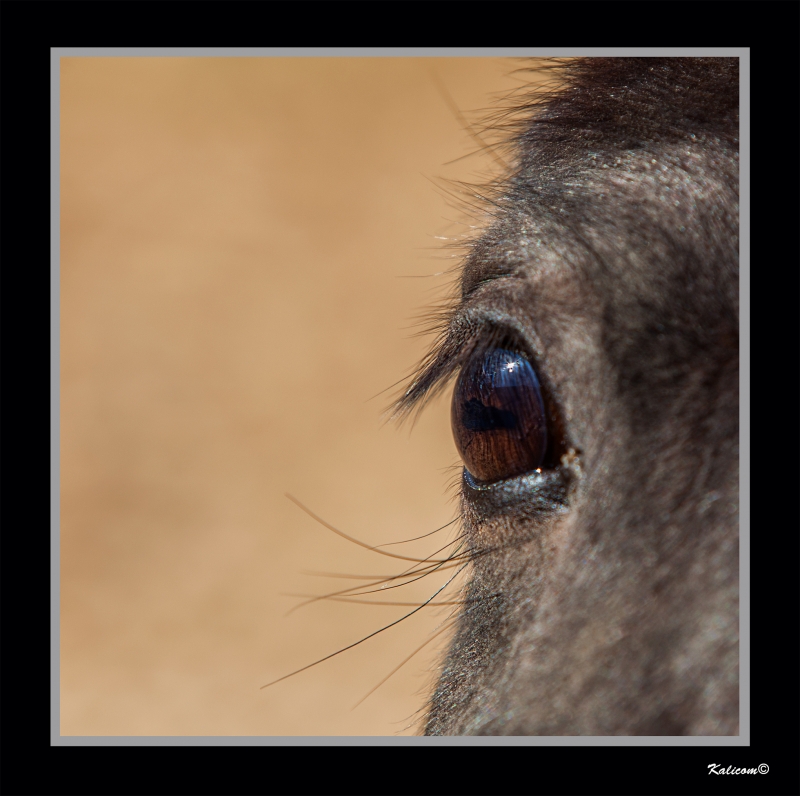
[462,340]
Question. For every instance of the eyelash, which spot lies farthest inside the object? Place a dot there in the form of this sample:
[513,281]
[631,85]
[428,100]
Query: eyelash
[455,346]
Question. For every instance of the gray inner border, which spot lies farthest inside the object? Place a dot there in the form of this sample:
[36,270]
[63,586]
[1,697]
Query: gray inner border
[56,53]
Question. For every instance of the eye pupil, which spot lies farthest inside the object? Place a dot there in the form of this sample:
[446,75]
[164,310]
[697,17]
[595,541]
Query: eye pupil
[479,417]
[498,416]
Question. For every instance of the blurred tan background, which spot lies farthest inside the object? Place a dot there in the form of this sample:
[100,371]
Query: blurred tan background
[233,236]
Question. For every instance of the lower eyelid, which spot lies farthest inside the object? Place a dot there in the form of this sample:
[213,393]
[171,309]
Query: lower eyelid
[532,479]
[543,494]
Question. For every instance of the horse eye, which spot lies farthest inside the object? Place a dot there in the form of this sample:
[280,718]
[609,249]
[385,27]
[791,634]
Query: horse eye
[498,416]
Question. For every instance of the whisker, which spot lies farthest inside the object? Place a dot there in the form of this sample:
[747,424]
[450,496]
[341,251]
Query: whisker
[428,558]
[350,576]
[424,572]
[410,575]
[366,638]
[346,536]
[415,538]
[372,602]
[420,276]
[400,666]
[316,573]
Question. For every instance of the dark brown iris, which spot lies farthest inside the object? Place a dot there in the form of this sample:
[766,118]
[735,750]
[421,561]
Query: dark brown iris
[498,416]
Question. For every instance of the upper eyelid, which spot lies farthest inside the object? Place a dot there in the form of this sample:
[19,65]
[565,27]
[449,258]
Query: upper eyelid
[469,328]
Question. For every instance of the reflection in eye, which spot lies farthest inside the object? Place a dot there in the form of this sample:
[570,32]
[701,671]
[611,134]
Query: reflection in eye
[498,416]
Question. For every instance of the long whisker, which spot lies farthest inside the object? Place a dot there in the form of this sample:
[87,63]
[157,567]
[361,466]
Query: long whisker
[400,666]
[352,591]
[354,601]
[425,535]
[420,574]
[348,576]
[381,584]
[346,536]
[454,556]
[378,579]
[319,574]
[375,633]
